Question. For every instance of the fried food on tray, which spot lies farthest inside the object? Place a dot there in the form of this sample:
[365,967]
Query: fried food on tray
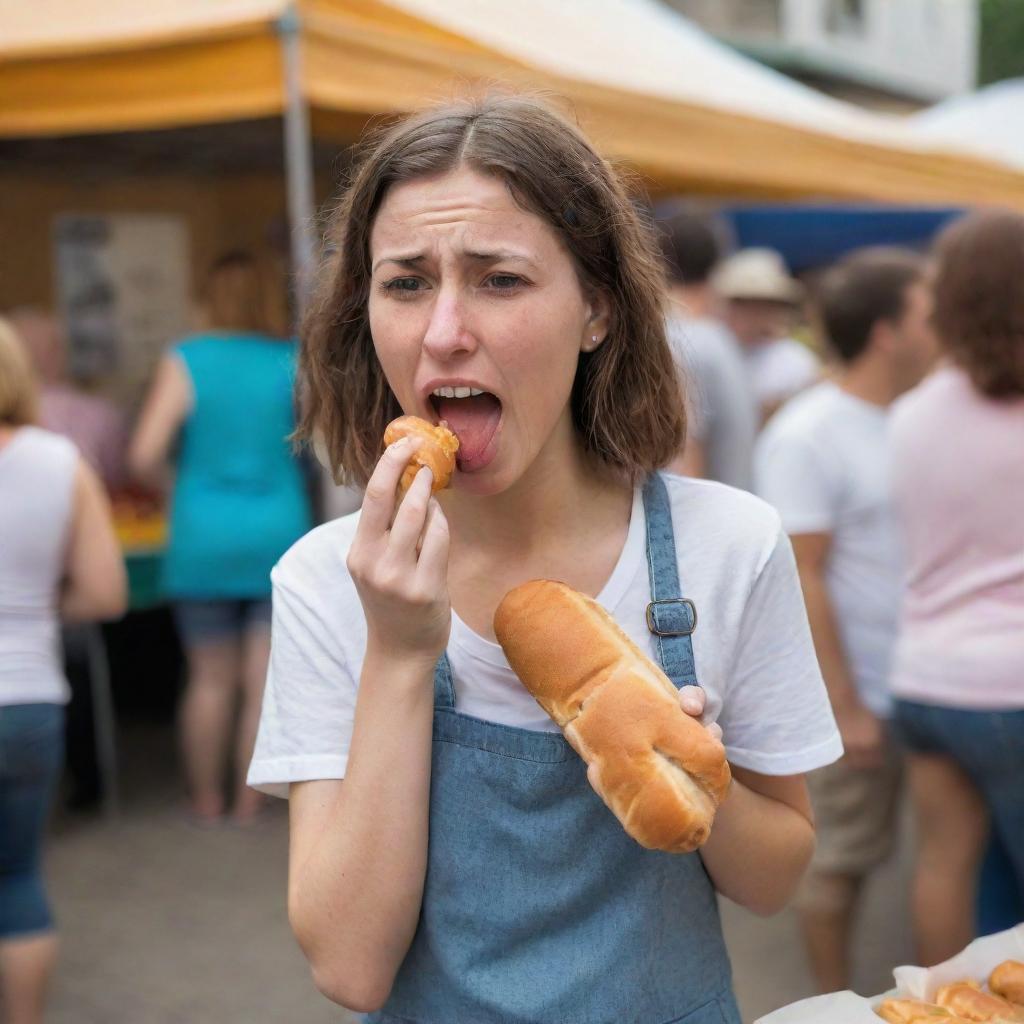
[968,1000]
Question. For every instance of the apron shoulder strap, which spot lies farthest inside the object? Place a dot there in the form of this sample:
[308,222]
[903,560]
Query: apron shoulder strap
[671,617]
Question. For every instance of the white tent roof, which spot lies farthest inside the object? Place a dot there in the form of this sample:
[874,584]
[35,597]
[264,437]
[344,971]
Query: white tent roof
[644,46]
[989,122]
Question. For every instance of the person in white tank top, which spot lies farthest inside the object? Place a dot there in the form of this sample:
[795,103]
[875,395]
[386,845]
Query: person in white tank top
[59,559]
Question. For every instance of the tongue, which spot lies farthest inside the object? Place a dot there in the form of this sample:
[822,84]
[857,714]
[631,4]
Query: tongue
[474,421]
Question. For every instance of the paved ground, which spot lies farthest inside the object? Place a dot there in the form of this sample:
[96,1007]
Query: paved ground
[163,923]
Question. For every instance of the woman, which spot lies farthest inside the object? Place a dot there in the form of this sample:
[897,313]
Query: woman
[238,502]
[59,558]
[449,860]
[958,475]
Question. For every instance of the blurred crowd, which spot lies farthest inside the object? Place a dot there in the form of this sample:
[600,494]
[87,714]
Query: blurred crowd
[877,404]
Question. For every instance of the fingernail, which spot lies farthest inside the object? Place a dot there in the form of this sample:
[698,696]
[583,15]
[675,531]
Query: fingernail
[691,705]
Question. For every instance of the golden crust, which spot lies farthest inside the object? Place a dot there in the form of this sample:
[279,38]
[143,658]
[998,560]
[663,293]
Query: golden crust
[968,1000]
[1007,980]
[912,1011]
[660,772]
[437,452]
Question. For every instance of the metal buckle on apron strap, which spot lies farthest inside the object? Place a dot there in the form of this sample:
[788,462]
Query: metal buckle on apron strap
[690,620]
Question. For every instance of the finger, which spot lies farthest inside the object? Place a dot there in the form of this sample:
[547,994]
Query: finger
[379,500]
[411,515]
[432,567]
[716,731]
[594,778]
[691,700]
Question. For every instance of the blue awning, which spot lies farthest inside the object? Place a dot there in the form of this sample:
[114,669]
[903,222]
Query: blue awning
[810,236]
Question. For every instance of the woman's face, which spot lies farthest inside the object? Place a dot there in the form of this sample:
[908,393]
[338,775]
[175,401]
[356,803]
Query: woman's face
[470,292]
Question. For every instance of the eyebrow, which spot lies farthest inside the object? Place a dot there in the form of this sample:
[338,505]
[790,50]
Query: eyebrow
[497,256]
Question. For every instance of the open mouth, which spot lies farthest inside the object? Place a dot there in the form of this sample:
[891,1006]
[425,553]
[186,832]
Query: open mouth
[473,416]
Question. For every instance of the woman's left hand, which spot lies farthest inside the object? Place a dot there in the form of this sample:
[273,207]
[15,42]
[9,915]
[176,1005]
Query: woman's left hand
[691,700]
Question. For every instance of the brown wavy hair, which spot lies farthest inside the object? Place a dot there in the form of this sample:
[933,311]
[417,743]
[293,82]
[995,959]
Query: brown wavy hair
[626,400]
[979,299]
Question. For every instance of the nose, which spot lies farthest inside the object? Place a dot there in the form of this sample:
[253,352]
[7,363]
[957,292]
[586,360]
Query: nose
[448,333]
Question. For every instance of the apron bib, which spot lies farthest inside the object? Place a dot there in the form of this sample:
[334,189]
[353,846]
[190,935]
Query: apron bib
[537,907]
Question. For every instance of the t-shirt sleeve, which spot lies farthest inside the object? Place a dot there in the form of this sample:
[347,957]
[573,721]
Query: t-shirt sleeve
[799,480]
[776,718]
[309,700]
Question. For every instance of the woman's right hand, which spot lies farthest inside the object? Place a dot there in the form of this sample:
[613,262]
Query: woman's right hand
[399,562]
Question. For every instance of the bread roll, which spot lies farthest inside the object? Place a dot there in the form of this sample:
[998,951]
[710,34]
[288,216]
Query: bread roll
[912,1011]
[1007,980]
[967,999]
[437,452]
[659,770]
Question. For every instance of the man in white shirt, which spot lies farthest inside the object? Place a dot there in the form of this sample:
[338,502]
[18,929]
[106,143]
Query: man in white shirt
[722,414]
[760,300]
[822,461]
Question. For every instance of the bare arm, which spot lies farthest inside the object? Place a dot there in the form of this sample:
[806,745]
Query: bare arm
[95,585]
[860,730]
[359,847]
[763,834]
[358,852]
[761,841]
[167,404]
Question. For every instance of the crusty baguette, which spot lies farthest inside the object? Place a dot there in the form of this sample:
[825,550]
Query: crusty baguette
[968,1000]
[659,770]
[437,452]
[912,1011]
[1007,980]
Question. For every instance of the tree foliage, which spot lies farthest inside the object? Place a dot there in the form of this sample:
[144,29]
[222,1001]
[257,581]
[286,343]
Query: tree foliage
[1001,46]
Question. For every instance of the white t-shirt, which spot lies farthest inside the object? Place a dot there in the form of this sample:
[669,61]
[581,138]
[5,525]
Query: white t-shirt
[823,462]
[752,645]
[723,413]
[779,369]
[37,485]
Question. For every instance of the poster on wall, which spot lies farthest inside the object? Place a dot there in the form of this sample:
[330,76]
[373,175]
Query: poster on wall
[123,284]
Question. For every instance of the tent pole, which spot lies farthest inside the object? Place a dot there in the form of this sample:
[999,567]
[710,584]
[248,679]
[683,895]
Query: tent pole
[298,152]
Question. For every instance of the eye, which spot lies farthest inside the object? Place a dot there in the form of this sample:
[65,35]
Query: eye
[401,287]
[504,282]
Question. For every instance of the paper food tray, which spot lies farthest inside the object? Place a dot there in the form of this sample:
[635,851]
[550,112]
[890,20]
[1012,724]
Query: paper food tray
[975,963]
[835,1008]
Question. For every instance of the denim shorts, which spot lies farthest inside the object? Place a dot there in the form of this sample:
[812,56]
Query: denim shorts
[31,756]
[989,748]
[206,621]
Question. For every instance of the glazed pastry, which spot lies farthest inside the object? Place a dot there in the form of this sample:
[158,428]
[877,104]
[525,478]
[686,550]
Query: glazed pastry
[968,1000]
[912,1011]
[1007,980]
[437,452]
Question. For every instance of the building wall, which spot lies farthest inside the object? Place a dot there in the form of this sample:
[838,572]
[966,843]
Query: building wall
[924,50]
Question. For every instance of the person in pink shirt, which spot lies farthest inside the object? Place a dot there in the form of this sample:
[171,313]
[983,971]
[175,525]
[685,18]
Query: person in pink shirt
[957,446]
[94,424]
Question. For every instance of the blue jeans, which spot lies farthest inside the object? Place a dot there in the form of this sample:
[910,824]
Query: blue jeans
[989,747]
[31,756]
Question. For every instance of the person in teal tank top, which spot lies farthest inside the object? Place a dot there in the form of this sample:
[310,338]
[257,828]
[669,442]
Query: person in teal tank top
[222,403]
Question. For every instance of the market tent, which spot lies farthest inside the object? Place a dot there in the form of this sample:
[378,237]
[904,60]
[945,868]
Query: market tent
[655,91]
[989,122]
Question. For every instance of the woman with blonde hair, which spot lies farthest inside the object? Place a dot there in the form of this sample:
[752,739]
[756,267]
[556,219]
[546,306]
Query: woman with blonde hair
[222,401]
[958,478]
[450,860]
[59,559]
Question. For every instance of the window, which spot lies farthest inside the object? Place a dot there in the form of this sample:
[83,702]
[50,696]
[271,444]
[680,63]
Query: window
[846,17]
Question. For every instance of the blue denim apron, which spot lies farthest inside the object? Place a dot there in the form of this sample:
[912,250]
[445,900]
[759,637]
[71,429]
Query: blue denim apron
[537,907]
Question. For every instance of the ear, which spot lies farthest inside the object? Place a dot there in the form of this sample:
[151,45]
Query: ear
[598,322]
